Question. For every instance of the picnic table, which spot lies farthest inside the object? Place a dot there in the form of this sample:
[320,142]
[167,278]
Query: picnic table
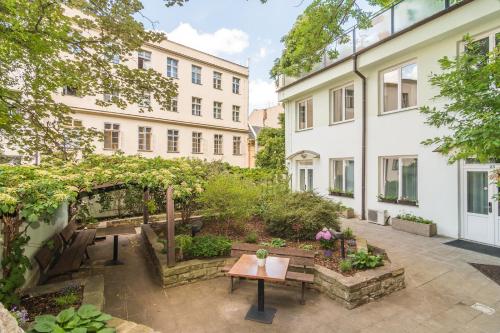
[274,270]
[115,232]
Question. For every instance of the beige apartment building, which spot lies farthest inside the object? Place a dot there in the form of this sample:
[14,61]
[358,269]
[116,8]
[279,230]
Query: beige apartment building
[207,120]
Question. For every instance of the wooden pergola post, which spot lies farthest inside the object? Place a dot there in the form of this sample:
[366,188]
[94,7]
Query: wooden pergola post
[145,210]
[170,227]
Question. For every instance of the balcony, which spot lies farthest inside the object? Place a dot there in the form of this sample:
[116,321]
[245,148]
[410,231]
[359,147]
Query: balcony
[385,23]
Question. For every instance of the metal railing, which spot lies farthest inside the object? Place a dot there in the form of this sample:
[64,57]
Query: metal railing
[385,23]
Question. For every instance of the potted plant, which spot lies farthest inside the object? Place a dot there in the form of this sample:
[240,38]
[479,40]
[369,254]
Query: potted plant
[341,193]
[261,255]
[414,224]
[389,199]
[327,241]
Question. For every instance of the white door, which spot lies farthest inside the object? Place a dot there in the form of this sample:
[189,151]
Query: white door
[305,178]
[481,215]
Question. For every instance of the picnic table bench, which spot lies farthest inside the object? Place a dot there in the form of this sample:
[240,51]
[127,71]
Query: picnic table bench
[300,259]
[64,252]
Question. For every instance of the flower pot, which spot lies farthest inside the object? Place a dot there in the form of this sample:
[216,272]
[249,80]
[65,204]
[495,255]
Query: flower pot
[421,229]
[328,253]
[261,262]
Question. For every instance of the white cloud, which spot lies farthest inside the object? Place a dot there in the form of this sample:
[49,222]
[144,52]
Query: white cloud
[262,52]
[262,94]
[222,41]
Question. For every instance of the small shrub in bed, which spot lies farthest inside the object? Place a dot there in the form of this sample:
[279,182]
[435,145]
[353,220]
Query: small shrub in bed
[364,260]
[300,215]
[275,242]
[251,237]
[209,246]
[345,266]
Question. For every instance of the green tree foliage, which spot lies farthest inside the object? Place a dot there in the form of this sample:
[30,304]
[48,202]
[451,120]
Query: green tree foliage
[316,29]
[469,85]
[46,45]
[271,142]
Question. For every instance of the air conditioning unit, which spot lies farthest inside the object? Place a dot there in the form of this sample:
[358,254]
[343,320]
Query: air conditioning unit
[378,216]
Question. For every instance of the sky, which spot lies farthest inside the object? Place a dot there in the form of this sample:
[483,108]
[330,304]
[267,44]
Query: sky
[243,31]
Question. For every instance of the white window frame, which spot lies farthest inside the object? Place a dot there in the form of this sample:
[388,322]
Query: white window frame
[400,158]
[236,85]
[196,74]
[217,80]
[143,131]
[236,113]
[172,141]
[237,144]
[108,97]
[297,114]
[218,144]
[173,106]
[145,101]
[344,112]
[196,106]
[145,56]
[112,130]
[172,68]
[197,140]
[217,110]
[398,67]
[344,178]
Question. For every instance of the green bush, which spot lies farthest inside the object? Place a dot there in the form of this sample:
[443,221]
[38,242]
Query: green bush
[300,215]
[251,237]
[364,260]
[413,218]
[307,247]
[348,234]
[66,300]
[86,319]
[183,243]
[275,242]
[345,265]
[209,246]
[229,200]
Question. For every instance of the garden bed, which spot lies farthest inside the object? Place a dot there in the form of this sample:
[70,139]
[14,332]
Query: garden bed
[414,225]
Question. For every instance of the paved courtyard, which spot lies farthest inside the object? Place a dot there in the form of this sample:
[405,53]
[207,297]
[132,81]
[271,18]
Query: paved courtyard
[441,287]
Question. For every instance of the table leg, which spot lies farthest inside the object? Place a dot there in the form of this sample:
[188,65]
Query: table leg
[259,312]
[115,260]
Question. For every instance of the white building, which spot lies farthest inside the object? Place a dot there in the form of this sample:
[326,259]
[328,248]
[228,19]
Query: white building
[353,124]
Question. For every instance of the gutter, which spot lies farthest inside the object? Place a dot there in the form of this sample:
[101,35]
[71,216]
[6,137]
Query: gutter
[363,137]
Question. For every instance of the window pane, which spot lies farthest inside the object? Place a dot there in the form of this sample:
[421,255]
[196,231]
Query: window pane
[302,179]
[349,102]
[497,39]
[349,176]
[409,12]
[479,47]
[409,179]
[309,113]
[477,192]
[302,115]
[337,105]
[391,90]
[391,177]
[338,183]
[409,86]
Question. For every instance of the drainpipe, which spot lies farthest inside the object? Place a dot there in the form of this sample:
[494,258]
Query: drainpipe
[363,138]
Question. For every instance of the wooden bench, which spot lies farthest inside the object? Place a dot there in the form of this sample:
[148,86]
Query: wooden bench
[64,253]
[300,259]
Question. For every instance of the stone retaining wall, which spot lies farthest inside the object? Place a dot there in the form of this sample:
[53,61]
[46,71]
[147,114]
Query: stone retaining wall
[183,272]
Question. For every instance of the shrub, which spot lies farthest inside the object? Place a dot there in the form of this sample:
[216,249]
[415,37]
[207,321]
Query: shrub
[183,243]
[345,266]
[229,200]
[275,242]
[364,260]
[86,319]
[348,234]
[251,237]
[209,246]
[413,218]
[300,215]
[66,300]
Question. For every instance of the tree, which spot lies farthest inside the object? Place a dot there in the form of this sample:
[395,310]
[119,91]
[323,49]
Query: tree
[323,22]
[47,45]
[469,84]
[271,143]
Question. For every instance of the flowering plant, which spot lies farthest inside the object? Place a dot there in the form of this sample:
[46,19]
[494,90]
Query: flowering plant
[20,315]
[326,239]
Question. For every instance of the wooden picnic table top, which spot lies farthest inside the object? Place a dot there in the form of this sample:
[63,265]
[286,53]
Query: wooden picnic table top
[119,230]
[274,270]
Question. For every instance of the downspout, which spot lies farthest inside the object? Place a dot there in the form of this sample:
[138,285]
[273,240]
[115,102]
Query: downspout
[363,138]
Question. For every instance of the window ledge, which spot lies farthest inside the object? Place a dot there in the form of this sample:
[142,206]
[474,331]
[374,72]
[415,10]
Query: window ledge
[173,152]
[304,130]
[399,110]
[237,154]
[144,150]
[343,195]
[400,203]
[196,152]
[218,154]
[342,122]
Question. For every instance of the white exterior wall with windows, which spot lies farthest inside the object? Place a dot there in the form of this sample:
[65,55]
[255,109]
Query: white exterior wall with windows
[397,164]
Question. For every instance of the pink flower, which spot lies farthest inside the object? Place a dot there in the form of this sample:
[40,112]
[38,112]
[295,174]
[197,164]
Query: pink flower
[324,234]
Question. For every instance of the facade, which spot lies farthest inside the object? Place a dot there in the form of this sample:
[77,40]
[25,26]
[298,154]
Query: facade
[354,131]
[258,119]
[207,120]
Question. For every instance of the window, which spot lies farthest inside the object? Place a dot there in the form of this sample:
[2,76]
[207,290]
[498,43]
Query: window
[236,85]
[399,181]
[218,144]
[145,138]
[145,101]
[172,141]
[305,114]
[217,80]
[342,177]
[236,113]
[483,44]
[196,74]
[217,110]
[143,59]
[70,91]
[196,106]
[197,136]
[173,104]
[400,88]
[111,136]
[71,124]
[172,67]
[110,97]
[236,145]
[342,104]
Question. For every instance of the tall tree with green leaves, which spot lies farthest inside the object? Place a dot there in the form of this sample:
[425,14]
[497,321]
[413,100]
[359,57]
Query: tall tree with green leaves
[86,45]
[469,85]
[271,147]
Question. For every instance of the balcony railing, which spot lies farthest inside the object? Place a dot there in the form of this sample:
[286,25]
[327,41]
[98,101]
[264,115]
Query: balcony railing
[401,15]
